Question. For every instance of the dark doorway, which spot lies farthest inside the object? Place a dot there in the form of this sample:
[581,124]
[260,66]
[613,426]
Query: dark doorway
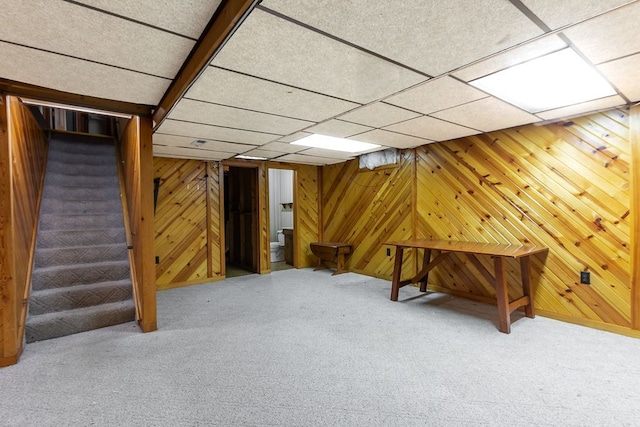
[241,220]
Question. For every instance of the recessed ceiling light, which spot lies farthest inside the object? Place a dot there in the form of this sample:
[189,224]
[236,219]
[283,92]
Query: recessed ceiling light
[242,156]
[333,143]
[551,81]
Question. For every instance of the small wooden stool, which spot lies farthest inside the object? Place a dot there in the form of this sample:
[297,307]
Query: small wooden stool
[331,255]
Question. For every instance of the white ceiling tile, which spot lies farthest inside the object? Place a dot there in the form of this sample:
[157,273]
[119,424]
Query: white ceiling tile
[610,36]
[585,107]
[63,27]
[320,152]
[282,147]
[338,128]
[77,76]
[433,129]
[293,137]
[513,56]
[261,152]
[221,115]
[217,133]
[378,115]
[487,114]
[189,153]
[436,95]
[211,145]
[186,17]
[239,90]
[431,36]
[308,160]
[391,139]
[273,48]
[557,14]
[623,74]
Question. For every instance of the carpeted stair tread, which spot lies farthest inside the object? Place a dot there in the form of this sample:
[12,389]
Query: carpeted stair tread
[86,254]
[82,158]
[88,171]
[60,178]
[105,146]
[58,324]
[78,274]
[95,221]
[63,238]
[80,206]
[63,192]
[72,297]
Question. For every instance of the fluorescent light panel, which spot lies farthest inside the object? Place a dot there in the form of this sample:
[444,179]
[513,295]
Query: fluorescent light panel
[333,143]
[551,81]
[240,156]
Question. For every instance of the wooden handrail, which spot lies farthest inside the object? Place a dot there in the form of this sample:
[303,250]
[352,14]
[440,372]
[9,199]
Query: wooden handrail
[127,230]
[123,198]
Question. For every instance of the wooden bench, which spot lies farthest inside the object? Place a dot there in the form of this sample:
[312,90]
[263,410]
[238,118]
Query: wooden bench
[331,255]
[499,279]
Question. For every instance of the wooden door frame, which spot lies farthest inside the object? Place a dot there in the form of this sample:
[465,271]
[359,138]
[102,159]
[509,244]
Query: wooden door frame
[261,202]
[281,166]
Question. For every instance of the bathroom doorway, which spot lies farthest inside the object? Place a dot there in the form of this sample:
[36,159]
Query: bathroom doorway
[281,218]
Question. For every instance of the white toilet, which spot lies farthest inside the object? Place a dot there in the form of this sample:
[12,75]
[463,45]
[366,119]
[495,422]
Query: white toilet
[277,248]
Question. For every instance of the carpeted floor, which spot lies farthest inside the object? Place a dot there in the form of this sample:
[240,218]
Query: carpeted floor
[298,347]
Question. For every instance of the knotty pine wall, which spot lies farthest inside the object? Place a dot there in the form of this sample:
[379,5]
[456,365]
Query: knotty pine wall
[564,186]
[188,223]
[183,234]
[23,147]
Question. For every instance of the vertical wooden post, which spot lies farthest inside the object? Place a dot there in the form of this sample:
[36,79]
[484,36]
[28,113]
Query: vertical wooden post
[320,170]
[208,212]
[223,221]
[145,237]
[634,202]
[8,317]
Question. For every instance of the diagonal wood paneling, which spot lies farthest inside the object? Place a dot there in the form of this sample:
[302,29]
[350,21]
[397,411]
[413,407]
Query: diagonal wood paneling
[306,211]
[366,208]
[181,221]
[562,186]
[188,232]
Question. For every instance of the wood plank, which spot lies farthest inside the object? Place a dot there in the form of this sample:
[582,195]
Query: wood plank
[634,241]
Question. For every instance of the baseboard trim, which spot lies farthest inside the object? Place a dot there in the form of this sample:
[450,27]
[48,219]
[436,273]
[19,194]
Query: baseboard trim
[608,327]
[165,286]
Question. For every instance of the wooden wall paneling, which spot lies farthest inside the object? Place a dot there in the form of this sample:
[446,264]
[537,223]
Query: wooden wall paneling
[222,230]
[29,153]
[215,218]
[263,236]
[634,241]
[23,156]
[137,151]
[8,325]
[565,187]
[307,213]
[181,236]
[367,208]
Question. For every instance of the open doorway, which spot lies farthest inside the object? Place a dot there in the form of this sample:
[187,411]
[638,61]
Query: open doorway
[281,218]
[241,220]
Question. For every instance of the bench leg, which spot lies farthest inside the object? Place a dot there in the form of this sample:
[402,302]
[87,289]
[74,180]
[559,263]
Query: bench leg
[502,296]
[397,273]
[425,261]
[525,271]
[340,265]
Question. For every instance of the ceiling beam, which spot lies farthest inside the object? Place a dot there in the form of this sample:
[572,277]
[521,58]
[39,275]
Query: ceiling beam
[25,90]
[227,18]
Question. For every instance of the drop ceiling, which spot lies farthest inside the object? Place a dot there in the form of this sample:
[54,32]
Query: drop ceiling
[397,76]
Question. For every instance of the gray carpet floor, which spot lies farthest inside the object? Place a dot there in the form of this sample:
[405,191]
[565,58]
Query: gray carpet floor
[298,347]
